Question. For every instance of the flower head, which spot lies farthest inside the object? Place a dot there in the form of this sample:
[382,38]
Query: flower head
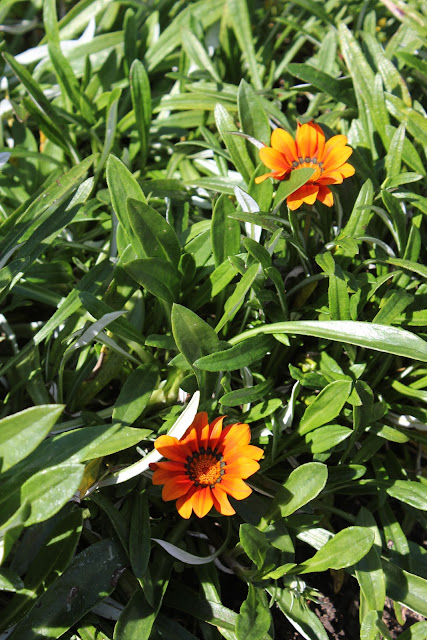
[308,150]
[206,465]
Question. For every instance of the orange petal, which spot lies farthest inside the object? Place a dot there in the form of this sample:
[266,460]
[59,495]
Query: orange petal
[235,487]
[215,431]
[307,193]
[201,426]
[283,142]
[320,143]
[171,448]
[273,159]
[235,435]
[167,465]
[325,196]
[332,177]
[248,451]
[335,141]
[202,502]
[200,421]
[241,468]
[176,487]
[347,170]
[221,502]
[336,158]
[184,504]
[162,477]
[260,179]
[306,139]
[190,442]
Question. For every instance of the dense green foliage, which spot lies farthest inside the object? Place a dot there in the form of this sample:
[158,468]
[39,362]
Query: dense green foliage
[140,262]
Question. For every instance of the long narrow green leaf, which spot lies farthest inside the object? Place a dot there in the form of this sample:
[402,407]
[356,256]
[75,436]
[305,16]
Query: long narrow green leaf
[363,334]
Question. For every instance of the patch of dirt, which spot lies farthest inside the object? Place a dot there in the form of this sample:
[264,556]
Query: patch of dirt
[339,612]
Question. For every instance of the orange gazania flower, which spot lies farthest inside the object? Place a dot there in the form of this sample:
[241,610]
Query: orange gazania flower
[309,149]
[206,465]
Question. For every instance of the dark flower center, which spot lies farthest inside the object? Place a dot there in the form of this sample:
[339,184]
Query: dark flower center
[205,467]
[303,163]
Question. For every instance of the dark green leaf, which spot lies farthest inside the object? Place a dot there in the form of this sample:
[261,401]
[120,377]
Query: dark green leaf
[254,619]
[241,355]
[155,235]
[90,578]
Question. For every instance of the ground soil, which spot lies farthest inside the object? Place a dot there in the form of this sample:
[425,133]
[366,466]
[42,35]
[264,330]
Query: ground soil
[339,612]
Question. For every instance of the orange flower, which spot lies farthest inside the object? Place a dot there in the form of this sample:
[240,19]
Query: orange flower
[205,465]
[309,149]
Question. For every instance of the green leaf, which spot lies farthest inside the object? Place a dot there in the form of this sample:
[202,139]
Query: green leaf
[361,213]
[363,334]
[141,101]
[50,120]
[254,619]
[368,570]
[410,492]
[414,121]
[123,185]
[393,158]
[119,523]
[296,180]
[21,224]
[254,543]
[10,581]
[296,610]
[398,217]
[195,339]
[61,65]
[417,631]
[302,486]
[326,438]
[225,231]
[241,355]
[253,119]
[326,406]
[368,627]
[410,155]
[339,300]
[314,8]
[237,298]
[323,81]
[136,620]
[158,276]
[241,23]
[170,38]
[415,267]
[155,235]
[22,432]
[135,394]
[198,54]
[235,145]
[184,599]
[343,550]
[121,326]
[406,588]
[257,251]
[214,284]
[90,578]
[12,529]
[48,490]
[110,129]
[139,537]
[360,71]
[395,305]
[243,396]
